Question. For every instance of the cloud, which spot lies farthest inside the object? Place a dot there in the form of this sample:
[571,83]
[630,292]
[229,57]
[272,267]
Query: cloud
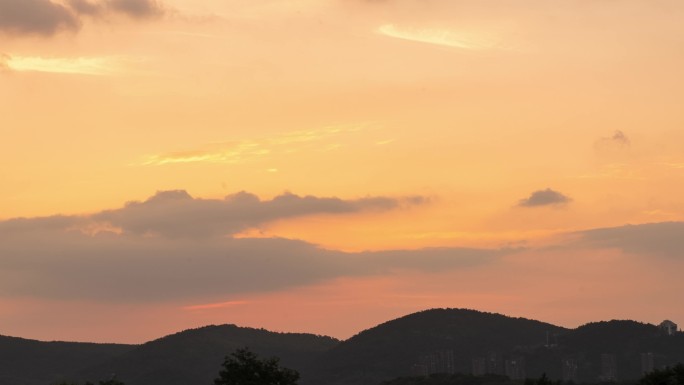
[665,239]
[617,141]
[54,258]
[546,197]
[136,8]
[438,36]
[79,65]
[252,149]
[177,214]
[46,18]
[35,17]
[85,7]
[139,9]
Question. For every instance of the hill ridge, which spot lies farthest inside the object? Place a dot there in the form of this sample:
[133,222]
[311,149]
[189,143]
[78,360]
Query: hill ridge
[394,348]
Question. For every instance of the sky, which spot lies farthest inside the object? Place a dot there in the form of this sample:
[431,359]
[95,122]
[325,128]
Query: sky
[324,166]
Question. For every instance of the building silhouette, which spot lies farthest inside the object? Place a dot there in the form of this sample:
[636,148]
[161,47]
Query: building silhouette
[495,364]
[515,368]
[646,363]
[479,366]
[419,370]
[668,327]
[441,361]
[608,367]
[569,370]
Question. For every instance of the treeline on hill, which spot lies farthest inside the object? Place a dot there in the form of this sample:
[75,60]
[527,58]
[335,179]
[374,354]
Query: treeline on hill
[457,338]
[668,376]
[245,368]
[242,367]
[427,342]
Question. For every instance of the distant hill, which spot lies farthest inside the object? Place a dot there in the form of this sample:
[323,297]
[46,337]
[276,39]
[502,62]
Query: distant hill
[626,340]
[391,349]
[30,362]
[426,340]
[431,341]
[195,356]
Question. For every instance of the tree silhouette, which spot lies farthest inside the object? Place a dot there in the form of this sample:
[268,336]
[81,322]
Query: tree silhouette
[245,368]
[112,381]
[667,376]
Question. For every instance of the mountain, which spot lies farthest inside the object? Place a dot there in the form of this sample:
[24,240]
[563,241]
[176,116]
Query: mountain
[195,356]
[30,362]
[431,341]
[454,340]
[394,348]
[623,339]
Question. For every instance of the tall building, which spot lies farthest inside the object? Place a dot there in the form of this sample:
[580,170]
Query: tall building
[479,366]
[445,362]
[436,362]
[646,363]
[668,327]
[608,367]
[569,370]
[419,370]
[495,364]
[515,368]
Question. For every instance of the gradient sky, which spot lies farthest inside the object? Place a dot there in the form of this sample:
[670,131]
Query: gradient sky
[326,165]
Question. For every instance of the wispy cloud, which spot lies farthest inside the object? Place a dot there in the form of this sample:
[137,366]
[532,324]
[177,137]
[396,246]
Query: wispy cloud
[672,165]
[98,66]
[623,171]
[251,149]
[437,36]
[618,141]
[218,305]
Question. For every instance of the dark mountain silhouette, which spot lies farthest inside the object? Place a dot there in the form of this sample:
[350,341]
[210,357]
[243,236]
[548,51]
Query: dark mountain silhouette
[29,362]
[626,340]
[195,356]
[391,349]
[437,340]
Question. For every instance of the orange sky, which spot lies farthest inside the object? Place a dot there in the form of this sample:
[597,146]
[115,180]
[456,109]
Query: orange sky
[393,156]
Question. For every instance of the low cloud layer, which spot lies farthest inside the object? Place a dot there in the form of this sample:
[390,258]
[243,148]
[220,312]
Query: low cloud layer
[545,197]
[168,248]
[134,8]
[177,214]
[665,239]
[46,18]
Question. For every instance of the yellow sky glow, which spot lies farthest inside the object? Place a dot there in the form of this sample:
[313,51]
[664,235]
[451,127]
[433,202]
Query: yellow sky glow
[98,66]
[442,37]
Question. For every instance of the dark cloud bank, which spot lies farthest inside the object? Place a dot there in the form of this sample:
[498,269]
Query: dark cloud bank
[173,246]
[176,247]
[664,239]
[41,17]
[46,18]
